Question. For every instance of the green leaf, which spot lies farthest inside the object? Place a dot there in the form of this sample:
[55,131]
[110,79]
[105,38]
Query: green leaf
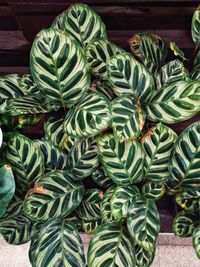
[183,224]
[101,178]
[177,51]
[121,199]
[184,162]
[144,258]
[175,102]
[89,227]
[173,71]
[195,27]
[89,118]
[54,157]
[10,86]
[196,241]
[81,23]
[127,118]
[89,209]
[103,86]
[98,52]
[55,195]
[153,190]
[7,187]
[111,246]
[58,244]
[189,201]
[82,159]
[105,207]
[122,161]
[25,121]
[59,67]
[157,145]
[1,137]
[128,76]
[150,49]
[196,63]
[144,223]
[16,228]
[27,162]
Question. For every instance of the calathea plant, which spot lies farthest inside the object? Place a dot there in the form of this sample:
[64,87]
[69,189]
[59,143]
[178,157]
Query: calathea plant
[106,156]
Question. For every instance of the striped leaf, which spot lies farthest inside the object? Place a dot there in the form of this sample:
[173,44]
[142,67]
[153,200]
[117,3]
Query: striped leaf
[27,162]
[59,67]
[101,178]
[82,159]
[16,228]
[177,51]
[7,187]
[153,190]
[122,161]
[189,201]
[127,118]
[184,161]
[196,63]
[25,121]
[144,258]
[89,227]
[54,157]
[196,241]
[121,199]
[195,75]
[103,86]
[111,246]
[183,224]
[98,52]
[128,76]
[106,214]
[58,244]
[81,23]
[144,223]
[55,195]
[10,86]
[54,133]
[196,27]
[175,102]
[150,49]
[88,118]
[157,145]
[173,71]
[28,85]
[89,209]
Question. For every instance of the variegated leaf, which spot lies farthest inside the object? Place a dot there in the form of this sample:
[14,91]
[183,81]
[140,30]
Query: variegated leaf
[89,118]
[111,246]
[144,258]
[183,224]
[175,102]
[98,52]
[106,214]
[55,195]
[121,199]
[158,143]
[196,241]
[101,178]
[144,223]
[103,86]
[122,161]
[59,67]
[89,227]
[196,26]
[128,76]
[153,190]
[189,201]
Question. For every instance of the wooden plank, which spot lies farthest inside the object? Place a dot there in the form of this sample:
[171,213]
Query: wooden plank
[14,69]
[12,40]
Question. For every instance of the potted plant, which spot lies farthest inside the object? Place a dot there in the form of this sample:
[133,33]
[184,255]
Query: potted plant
[106,155]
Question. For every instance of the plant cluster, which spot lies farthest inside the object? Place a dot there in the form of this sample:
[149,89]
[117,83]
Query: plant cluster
[106,111]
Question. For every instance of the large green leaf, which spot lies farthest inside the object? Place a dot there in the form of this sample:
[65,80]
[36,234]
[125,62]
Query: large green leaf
[183,224]
[59,67]
[16,228]
[111,246]
[153,190]
[88,118]
[128,76]
[196,26]
[55,195]
[122,161]
[157,145]
[82,23]
[89,209]
[196,240]
[144,223]
[173,71]
[184,161]
[150,49]
[127,118]
[175,102]
[121,199]
[82,159]
[7,187]
[144,258]
[98,52]
[27,162]
[101,178]
[106,214]
[189,201]
[58,244]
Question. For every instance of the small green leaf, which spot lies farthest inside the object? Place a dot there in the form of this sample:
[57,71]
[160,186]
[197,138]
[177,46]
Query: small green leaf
[177,51]
[106,213]
[144,258]
[189,201]
[101,178]
[153,190]
[196,26]
[103,86]
[183,224]
[89,227]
